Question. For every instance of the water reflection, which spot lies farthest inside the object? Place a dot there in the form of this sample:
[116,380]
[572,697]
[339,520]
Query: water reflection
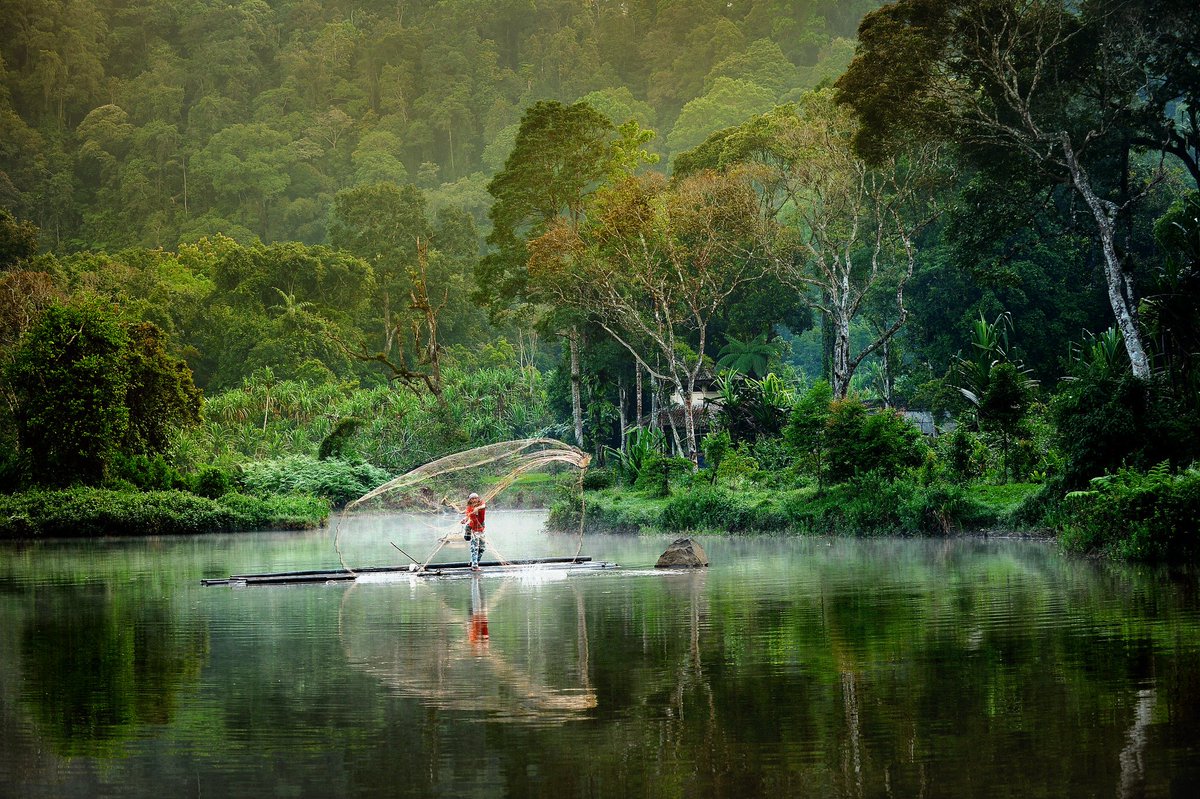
[446,646]
[97,671]
[791,668]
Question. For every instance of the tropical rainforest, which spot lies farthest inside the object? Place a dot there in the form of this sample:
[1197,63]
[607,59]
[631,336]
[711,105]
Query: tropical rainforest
[768,260]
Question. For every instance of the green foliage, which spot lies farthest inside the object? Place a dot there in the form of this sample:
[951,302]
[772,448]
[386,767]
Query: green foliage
[658,473]
[70,377]
[752,357]
[337,443]
[212,482]
[1107,419]
[161,396]
[88,512]
[1143,516]
[18,240]
[335,480]
[715,446]
[860,442]
[873,504]
[599,478]
[713,509]
[738,467]
[964,454]
[146,473]
[641,445]
[807,429]
[89,389]
[752,409]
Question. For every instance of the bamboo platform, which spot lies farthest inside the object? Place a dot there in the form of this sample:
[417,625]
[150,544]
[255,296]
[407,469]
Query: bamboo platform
[433,570]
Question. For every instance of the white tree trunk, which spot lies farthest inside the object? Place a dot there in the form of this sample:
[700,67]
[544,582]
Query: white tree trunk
[689,421]
[841,356]
[621,403]
[1120,289]
[576,399]
[637,369]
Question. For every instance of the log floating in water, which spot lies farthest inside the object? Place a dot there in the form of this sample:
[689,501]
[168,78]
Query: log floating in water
[335,575]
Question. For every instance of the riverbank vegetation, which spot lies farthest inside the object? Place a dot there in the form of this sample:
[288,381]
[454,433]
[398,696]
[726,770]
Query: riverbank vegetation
[258,251]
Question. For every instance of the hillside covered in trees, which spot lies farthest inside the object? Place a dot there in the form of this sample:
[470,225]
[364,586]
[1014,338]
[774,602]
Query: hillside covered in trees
[147,124]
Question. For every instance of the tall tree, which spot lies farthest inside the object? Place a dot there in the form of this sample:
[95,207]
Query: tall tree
[654,265]
[841,230]
[1056,85]
[561,154]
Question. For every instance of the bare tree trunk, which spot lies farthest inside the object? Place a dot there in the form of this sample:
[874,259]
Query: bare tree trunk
[887,372]
[653,404]
[637,368]
[621,403]
[576,400]
[841,356]
[689,421]
[1120,288]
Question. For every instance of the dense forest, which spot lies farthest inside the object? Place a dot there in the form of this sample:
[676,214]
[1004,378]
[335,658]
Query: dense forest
[275,247]
[147,124]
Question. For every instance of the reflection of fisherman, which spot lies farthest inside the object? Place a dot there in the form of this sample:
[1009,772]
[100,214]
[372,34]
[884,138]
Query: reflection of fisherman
[477,627]
[472,522]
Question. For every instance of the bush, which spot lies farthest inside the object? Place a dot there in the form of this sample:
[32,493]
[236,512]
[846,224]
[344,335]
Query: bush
[860,442]
[737,467]
[1107,420]
[338,481]
[596,479]
[211,482]
[87,512]
[705,509]
[1151,516]
[641,446]
[657,474]
[146,473]
[872,504]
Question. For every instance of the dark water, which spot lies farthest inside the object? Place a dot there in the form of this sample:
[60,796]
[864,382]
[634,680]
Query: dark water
[790,668]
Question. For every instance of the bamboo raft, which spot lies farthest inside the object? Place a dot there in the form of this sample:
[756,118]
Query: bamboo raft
[433,570]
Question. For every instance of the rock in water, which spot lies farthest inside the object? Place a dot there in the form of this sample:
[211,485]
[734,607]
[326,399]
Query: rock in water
[684,553]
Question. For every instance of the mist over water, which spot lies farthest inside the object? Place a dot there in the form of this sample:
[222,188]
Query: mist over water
[793,667]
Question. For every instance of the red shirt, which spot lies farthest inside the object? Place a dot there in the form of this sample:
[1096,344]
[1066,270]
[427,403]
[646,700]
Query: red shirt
[475,514]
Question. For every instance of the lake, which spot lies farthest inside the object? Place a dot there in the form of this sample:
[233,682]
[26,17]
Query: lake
[792,667]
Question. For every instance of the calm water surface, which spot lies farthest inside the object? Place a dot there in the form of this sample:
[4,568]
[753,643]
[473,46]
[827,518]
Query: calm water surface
[792,667]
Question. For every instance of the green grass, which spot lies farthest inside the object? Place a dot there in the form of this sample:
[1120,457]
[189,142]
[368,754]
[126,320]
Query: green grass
[1003,500]
[91,512]
[867,506]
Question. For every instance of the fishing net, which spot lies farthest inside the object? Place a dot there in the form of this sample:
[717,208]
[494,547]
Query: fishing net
[442,484]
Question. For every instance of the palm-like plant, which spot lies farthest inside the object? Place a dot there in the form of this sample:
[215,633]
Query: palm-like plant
[641,444]
[750,357]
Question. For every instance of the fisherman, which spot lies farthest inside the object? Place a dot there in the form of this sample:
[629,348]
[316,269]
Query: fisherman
[472,522]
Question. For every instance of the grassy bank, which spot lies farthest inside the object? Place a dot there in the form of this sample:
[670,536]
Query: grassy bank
[86,512]
[860,507]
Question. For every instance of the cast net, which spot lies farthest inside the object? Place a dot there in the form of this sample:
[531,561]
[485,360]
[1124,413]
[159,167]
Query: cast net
[442,485]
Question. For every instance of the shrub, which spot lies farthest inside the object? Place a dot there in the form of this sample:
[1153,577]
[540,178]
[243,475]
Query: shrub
[641,445]
[89,512]
[1107,420]
[211,482]
[146,473]
[715,446]
[657,474]
[873,504]
[598,478]
[338,481]
[705,509]
[860,442]
[1150,516]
